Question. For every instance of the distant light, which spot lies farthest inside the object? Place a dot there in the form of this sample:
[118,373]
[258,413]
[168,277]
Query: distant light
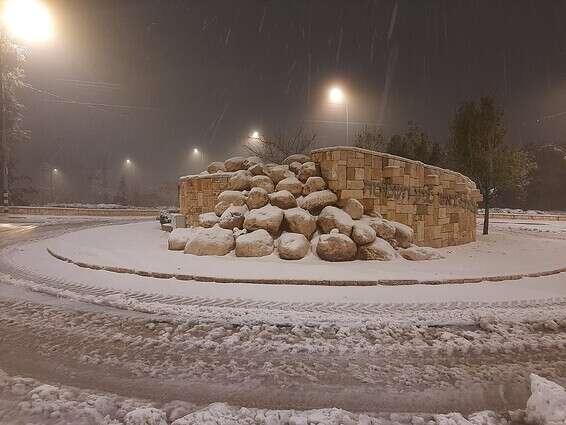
[29,20]
[196,151]
[128,161]
[255,135]
[55,170]
[336,95]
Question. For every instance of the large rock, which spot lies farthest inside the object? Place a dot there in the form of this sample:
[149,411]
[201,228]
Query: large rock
[145,416]
[254,244]
[292,184]
[420,253]
[307,170]
[298,157]
[277,172]
[362,233]
[336,247]
[268,218]
[234,164]
[257,198]
[313,184]
[264,182]
[233,217]
[295,167]
[404,235]
[547,403]
[213,241]
[228,198]
[379,249]
[251,161]
[316,201]
[215,167]
[293,246]
[178,238]
[301,221]
[334,218]
[283,199]
[241,180]
[256,169]
[383,228]
[208,219]
[354,208]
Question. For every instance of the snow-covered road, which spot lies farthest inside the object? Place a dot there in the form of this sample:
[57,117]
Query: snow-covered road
[420,357]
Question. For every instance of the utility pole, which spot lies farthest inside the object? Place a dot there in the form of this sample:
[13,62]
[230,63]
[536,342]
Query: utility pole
[5,149]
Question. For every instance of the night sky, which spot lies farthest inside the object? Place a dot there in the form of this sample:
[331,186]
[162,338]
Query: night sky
[207,73]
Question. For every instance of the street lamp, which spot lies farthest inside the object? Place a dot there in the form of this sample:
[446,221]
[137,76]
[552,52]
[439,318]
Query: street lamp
[255,135]
[336,96]
[200,154]
[128,161]
[54,172]
[27,20]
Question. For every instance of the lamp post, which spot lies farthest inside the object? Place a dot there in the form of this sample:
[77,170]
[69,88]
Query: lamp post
[336,96]
[28,20]
[53,173]
[200,154]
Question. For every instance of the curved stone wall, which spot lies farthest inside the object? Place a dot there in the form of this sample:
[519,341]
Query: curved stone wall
[439,204]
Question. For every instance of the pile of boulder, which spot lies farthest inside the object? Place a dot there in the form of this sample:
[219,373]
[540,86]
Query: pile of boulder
[287,208]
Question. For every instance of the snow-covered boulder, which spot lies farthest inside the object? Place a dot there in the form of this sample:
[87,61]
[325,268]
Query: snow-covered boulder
[255,244]
[336,247]
[547,403]
[297,157]
[233,217]
[313,184]
[301,221]
[256,169]
[208,219]
[283,199]
[228,198]
[146,416]
[307,170]
[420,253]
[268,218]
[215,167]
[213,414]
[293,246]
[264,182]
[257,198]
[334,218]
[404,235]
[291,184]
[316,201]
[379,249]
[295,167]
[354,208]
[362,233]
[277,172]
[383,228]
[213,241]
[252,160]
[178,238]
[241,180]
[235,164]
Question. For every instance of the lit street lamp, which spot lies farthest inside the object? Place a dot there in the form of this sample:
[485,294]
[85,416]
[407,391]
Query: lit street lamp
[53,173]
[27,20]
[199,153]
[255,135]
[337,97]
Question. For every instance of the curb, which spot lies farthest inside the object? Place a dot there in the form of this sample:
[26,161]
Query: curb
[380,282]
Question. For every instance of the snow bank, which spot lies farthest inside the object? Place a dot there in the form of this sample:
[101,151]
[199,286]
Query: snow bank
[547,404]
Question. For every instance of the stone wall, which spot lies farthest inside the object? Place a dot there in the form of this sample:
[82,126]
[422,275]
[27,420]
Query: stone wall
[198,193]
[439,204]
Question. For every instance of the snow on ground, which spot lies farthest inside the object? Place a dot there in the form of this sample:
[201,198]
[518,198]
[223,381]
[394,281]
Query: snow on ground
[25,400]
[142,246]
[520,211]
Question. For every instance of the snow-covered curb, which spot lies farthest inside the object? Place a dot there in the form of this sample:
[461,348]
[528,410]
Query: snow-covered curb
[323,282]
[23,400]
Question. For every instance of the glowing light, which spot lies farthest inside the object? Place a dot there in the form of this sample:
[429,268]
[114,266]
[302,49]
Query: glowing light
[128,161]
[255,135]
[336,95]
[196,151]
[55,170]
[28,20]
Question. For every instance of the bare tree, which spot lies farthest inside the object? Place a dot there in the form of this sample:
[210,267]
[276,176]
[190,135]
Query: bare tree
[275,148]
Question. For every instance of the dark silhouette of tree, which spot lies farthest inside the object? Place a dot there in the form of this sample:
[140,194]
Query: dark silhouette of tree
[370,137]
[275,148]
[478,150]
